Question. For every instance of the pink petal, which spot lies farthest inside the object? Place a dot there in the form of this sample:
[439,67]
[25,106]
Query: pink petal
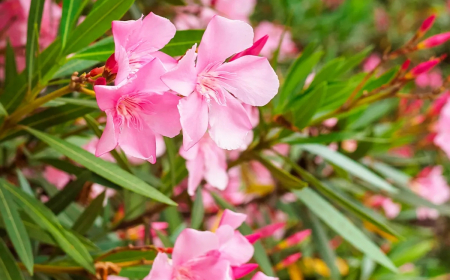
[161,269]
[261,276]
[221,270]
[139,143]
[168,61]
[229,125]
[255,81]
[191,244]
[232,219]
[148,78]
[243,270]
[182,79]
[123,65]
[253,50]
[222,39]
[194,119]
[165,118]
[216,166]
[234,247]
[109,139]
[107,96]
[121,31]
[195,168]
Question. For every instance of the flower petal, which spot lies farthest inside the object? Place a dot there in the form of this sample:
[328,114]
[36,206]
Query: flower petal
[232,219]
[262,276]
[243,270]
[109,139]
[107,96]
[191,244]
[182,78]
[223,38]
[254,82]
[161,269]
[168,61]
[194,119]
[235,248]
[148,78]
[139,143]
[195,168]
[165,118]
[216,166]
[229,124]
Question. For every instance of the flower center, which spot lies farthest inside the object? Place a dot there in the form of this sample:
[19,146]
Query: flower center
[212,83]
[184,273]
[129,108]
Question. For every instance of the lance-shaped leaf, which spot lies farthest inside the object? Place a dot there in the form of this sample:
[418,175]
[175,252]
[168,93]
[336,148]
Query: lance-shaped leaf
[15,229]
[33,29]
[349,165]
[87,218]
[341,225]
[103,168]
[198,210]
[10,64]
[71,9]
[37,211]
[8,267]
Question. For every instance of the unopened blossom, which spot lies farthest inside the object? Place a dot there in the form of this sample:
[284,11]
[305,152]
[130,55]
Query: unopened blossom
[439,103]
[136,111]
[431,185]
[288,261]
[137,42]
[434,41]
[427,24]
[214,90]
[423,67]
[293,240]
[371,62]
[275,33]
[442,138]
[206,160]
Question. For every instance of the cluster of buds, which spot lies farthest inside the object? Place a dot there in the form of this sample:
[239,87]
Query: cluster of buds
[105,74]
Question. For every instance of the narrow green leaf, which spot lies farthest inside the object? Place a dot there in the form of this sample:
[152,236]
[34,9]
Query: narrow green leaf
[322,138]
[8,267]
[87,218]
[176,2]
[171,154]
[135,272]
[134,205]
[304,108]
[339,223]
[355,60]
[42,215]
[173,218]
[16,229]
[329,72]
[97,23]
[349,165]
[182,41]
[198,210]
[34,232]
[23,183]
[100,51]
[33,29]
[68,194]
[10,64]
[103,168]
[74,66]
[71,9]
[86,102]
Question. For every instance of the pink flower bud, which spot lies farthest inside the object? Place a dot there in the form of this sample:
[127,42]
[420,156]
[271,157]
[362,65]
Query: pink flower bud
[405,65]
[254,237]
[288,261]
[434,41]
[270,229]
[427,24]
[293,239]
[423,67]
[253,50]
[243,270]
[111,65]
[100,82]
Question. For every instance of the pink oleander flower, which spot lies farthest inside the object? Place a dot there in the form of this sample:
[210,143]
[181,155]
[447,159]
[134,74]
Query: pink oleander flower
[381,19]
[113,277]
[206,160]
[403,151]
[371,62]
[137,42]
[442,138]
[390,208]
[431,185]
[56,177]
[439,103]
[434,41]
[214,89]
[432,80]
[136,110]
[274,31]
[262,276]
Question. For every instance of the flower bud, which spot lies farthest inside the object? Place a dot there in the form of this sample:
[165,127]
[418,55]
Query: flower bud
[254,237]
[288,261]
[96,72]
[270,230]
[423,67]
[434,41]
[100,82]
[243,270]
[253,50]
[405,65]
[293,239]
[111,65]
[427,24]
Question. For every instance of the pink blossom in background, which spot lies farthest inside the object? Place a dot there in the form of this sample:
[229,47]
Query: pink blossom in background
[113,277]
[274,31]
[330,123]
[134,48]
[390,208]
[442,138]
[432,80]
[349,145]
[56,177]
[214,89]
[371,62]
[437,105]
[262,276]
[431,185]
[206,160]
[136,111]
[381,18]
[403,151]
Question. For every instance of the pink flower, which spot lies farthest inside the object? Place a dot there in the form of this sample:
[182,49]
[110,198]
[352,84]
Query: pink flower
[136,110]
[442,138]
[437,105]
[262,276]
[371,62]
[431,185]
[287,48]
[381,19]
[137,43]
[113,277]
[206,160]
[234,9]
[391,209]
[56,177]
[432,80]
[214,89]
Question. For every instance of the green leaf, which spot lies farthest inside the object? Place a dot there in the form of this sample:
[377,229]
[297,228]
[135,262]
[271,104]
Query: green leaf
[87,218]
[34,232]
[8,267]
[135,272]
[100,51]
[23,182]
[339,223]
[260,254]
[176,2]
[16,229]
[355,60]
[10,64]
[33,29]
[198,210]
[349,165]
[97,23]
[373,113]
[286,179]
[68,194]
[134,205]
[71,9]
[46,219]
[74,66]
[411,198]
[91,103]
[322,138]
[329,72]
[295,78]
[103,168]
[182,41]
[304,108]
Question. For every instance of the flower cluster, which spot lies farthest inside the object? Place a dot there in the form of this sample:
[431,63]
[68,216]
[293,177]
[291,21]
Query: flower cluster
[204,91]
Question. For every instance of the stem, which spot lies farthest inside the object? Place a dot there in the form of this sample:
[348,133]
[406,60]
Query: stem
[86,91]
